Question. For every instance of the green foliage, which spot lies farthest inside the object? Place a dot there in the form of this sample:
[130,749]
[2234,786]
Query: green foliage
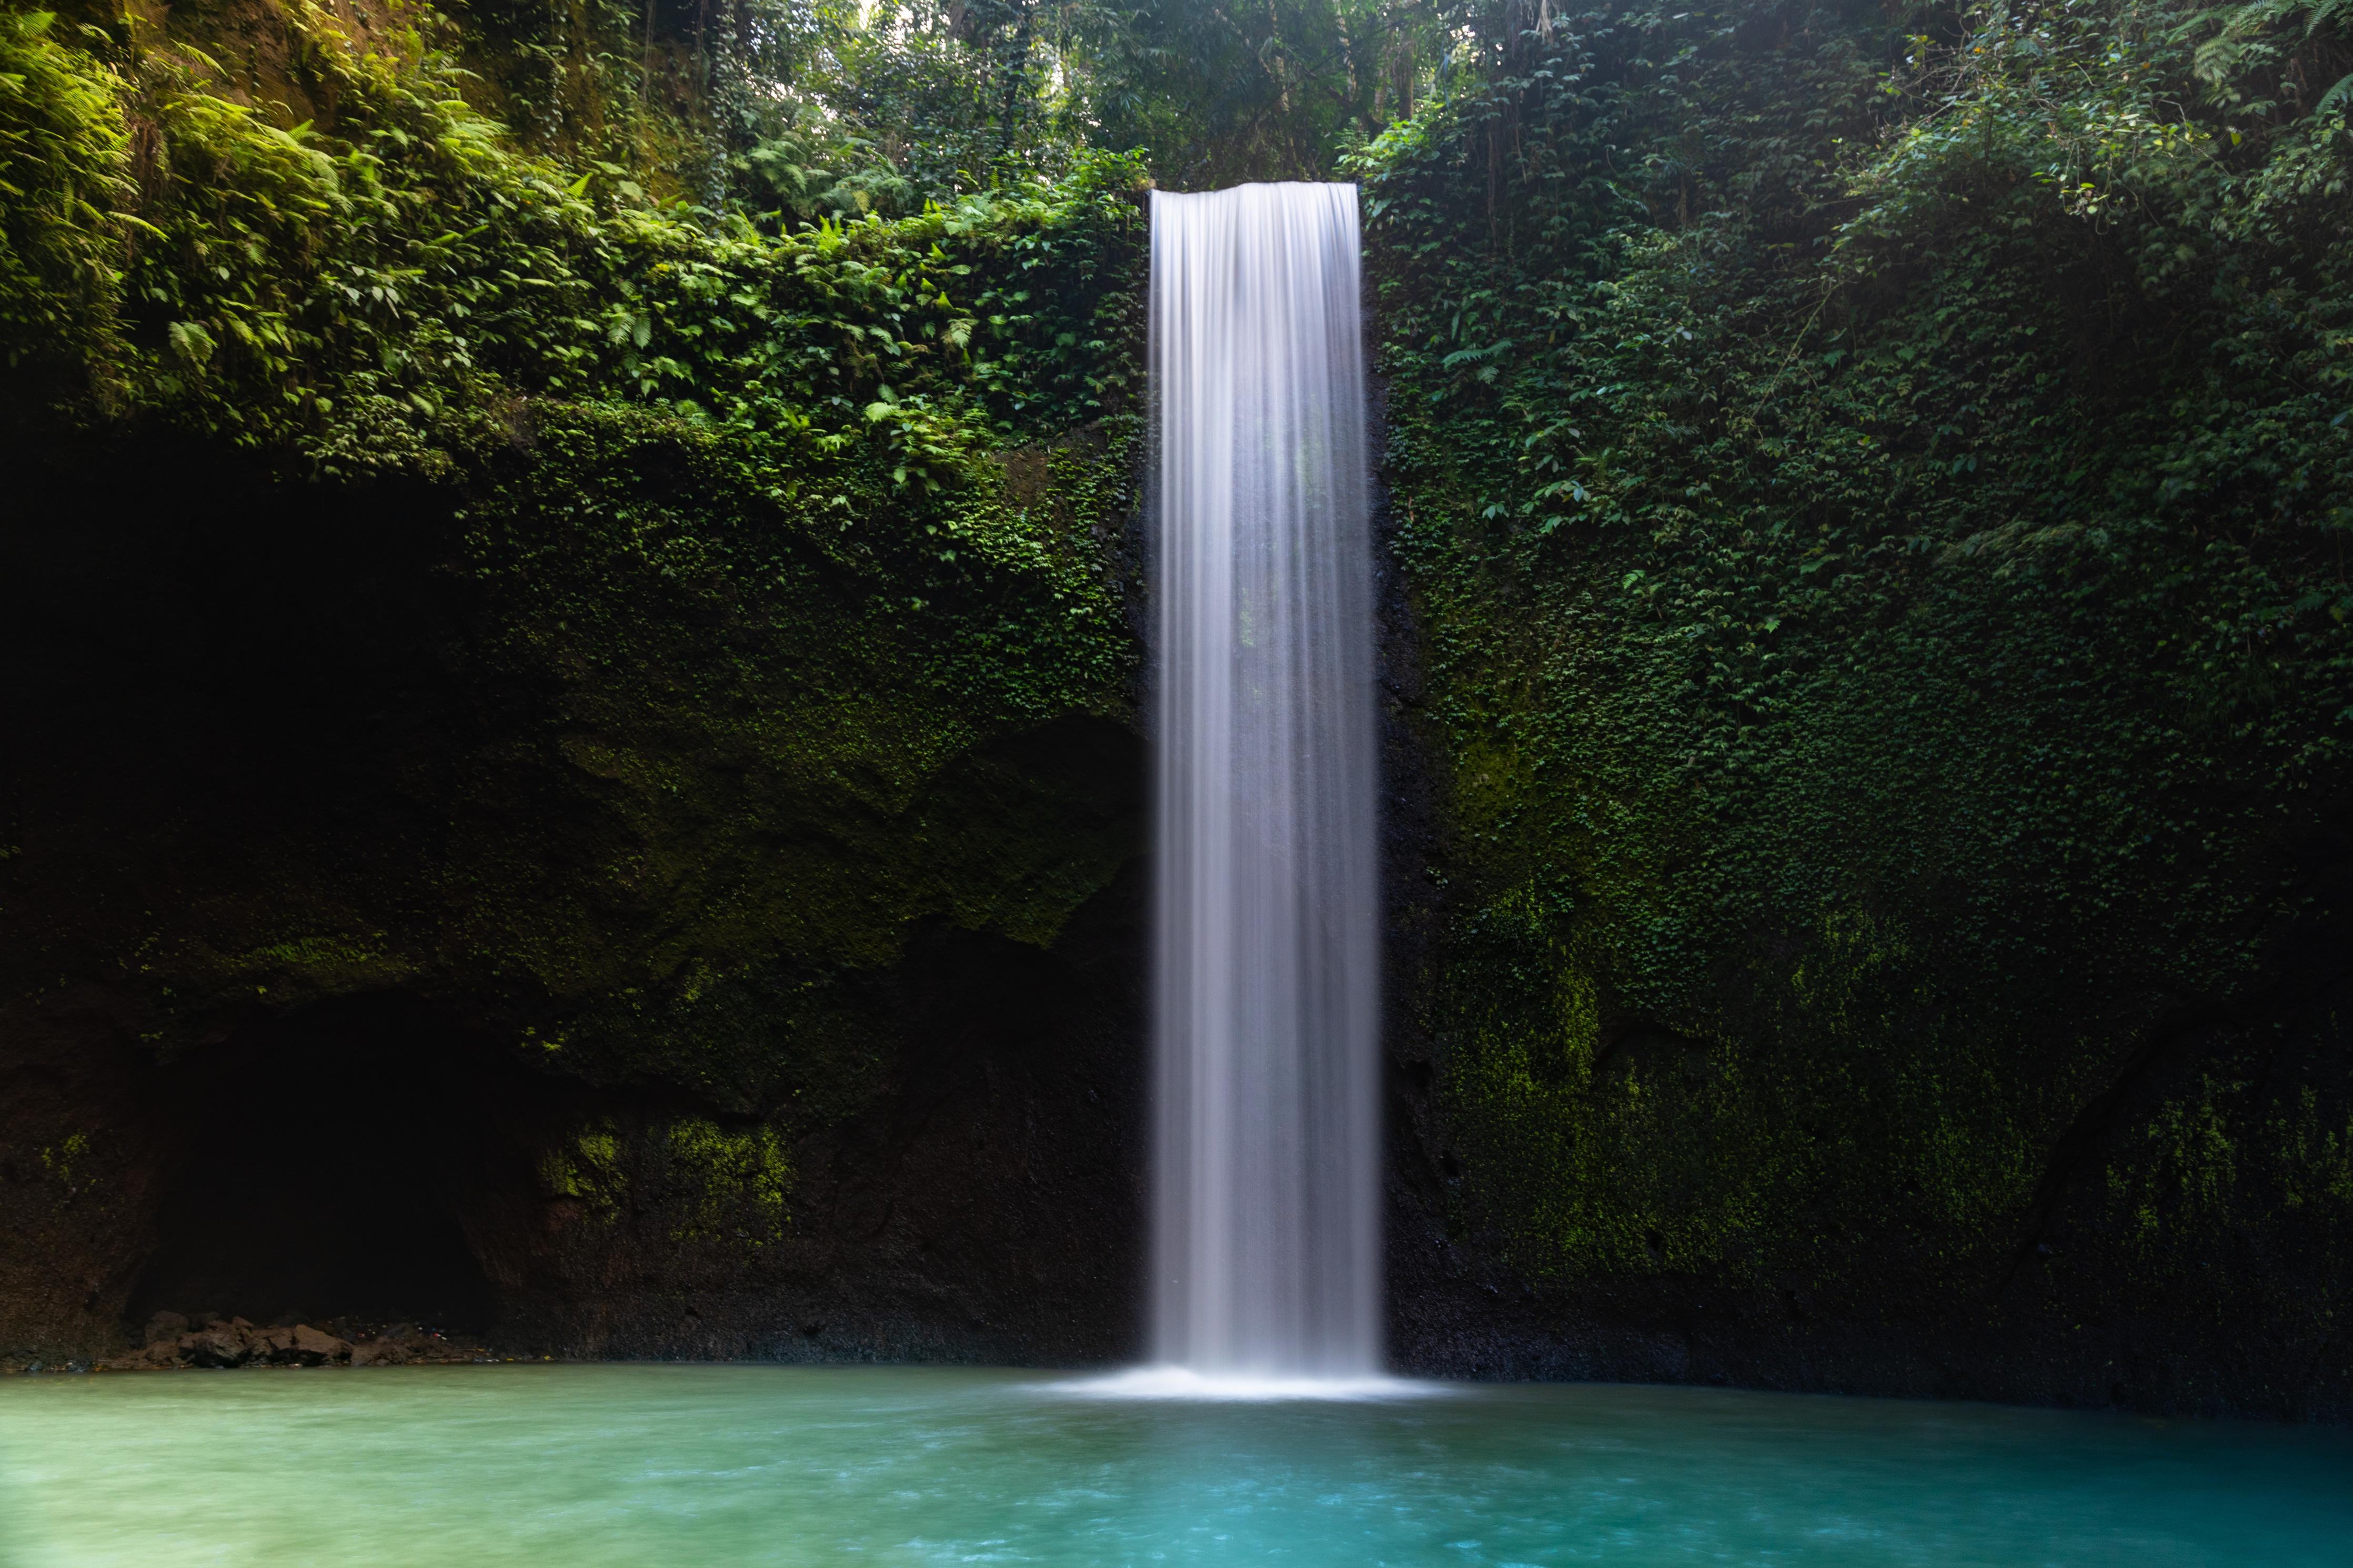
[914,99]
[955,98]
[381,296]
[61,175]
[1222,94]
[1877,500]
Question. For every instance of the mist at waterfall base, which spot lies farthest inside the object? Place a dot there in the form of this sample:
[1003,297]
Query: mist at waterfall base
[1265,1249]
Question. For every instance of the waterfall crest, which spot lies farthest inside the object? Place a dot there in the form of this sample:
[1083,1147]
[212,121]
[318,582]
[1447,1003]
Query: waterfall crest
[1266,1226]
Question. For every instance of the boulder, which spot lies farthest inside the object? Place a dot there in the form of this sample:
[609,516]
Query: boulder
[164,1328]
[218,1344]
[315,1347]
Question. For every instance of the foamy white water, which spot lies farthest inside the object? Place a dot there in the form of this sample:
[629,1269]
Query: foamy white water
[1266,1226]
[1184,1383]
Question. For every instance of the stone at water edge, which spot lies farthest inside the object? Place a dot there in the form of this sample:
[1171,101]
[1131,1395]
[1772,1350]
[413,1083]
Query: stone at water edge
[238,1343]
[165,1328]
[219,1344]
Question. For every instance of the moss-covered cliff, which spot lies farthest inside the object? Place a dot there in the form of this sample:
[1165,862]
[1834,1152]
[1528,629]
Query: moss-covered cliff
[1874,505]
[486,637]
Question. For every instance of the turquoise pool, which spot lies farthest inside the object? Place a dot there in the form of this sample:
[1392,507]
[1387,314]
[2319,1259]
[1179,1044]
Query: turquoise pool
[642,1465]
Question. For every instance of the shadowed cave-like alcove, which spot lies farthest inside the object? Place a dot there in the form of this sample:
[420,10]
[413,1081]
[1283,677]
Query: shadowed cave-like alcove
[323,1167]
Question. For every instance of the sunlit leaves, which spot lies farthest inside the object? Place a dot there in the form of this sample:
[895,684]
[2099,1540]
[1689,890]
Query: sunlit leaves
[384,296]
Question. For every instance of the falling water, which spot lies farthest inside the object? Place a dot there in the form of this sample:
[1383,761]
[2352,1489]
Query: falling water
[1266,1230]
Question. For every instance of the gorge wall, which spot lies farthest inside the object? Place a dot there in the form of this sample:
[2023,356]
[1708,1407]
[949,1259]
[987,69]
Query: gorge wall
[617,826]
[1875,507]
[638,958]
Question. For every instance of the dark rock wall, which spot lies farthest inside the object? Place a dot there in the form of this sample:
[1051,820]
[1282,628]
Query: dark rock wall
[583,911]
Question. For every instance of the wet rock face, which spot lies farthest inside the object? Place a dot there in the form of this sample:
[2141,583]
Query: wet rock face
[985,1207]
[2177,1248]
[577,948]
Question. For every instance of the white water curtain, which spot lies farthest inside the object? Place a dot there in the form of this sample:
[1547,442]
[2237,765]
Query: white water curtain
[1266,1234]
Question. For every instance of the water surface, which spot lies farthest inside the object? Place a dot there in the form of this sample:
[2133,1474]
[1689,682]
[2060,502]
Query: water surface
[680,1466]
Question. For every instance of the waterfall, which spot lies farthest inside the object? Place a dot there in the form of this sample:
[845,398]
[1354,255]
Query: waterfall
[1266,1180]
